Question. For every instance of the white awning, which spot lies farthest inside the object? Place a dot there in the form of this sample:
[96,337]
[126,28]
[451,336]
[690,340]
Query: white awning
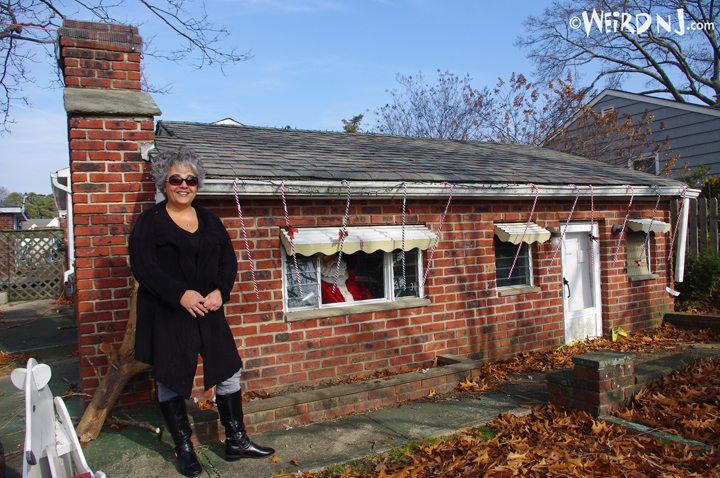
[513,233]
[643,225]
[326,240]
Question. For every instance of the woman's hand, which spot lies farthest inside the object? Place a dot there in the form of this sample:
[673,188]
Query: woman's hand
[213,301]
[193,302]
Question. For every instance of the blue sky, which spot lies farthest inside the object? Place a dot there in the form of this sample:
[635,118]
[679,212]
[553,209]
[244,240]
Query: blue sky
[315,63]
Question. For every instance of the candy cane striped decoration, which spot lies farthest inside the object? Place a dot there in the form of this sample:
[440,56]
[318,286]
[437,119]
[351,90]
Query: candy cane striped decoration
[290,235]
[247,244]
[677,223]
[437,237]
[537,193]
[404,282]
[647,237]
[343,234]
[627,213]
[567,223]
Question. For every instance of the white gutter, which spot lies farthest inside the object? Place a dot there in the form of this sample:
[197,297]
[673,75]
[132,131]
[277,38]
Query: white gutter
[682,242]
[71,226]
[393,189]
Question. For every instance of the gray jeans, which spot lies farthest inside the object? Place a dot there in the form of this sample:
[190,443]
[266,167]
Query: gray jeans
[228,387]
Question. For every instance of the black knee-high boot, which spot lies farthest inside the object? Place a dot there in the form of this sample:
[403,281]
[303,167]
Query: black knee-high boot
[175,414]
[237,443]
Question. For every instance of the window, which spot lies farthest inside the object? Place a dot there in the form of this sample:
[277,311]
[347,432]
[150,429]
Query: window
[504,257]
[507,238]
[606,110]
[639,254]
[647,164]
[362,278]
[370,271]
[639,262]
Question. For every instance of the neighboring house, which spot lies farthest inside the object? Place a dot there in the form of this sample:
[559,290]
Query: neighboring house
[11,216]
[472,213]
[33,224]
[693,130]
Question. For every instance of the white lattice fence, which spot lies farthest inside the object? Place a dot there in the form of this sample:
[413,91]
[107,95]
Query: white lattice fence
[31,264]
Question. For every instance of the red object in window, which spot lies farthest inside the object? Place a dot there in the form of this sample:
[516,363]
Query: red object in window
[84,475]
[354,285]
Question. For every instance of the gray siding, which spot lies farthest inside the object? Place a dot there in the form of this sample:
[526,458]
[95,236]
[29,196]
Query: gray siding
[694,135]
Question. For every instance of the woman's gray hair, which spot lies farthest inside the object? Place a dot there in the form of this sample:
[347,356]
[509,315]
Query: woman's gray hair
[183,156]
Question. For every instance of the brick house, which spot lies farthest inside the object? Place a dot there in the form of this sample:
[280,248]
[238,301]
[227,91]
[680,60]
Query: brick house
[291,331]
[11,216]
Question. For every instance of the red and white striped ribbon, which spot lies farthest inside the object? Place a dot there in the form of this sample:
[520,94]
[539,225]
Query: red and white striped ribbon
[437,236]
[537,193]
[247,244]
[567,223]
[290,235]
[622,231]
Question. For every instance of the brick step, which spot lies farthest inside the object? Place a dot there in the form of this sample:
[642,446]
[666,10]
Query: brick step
[314,406]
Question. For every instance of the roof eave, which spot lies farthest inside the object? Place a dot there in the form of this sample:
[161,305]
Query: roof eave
[380,189]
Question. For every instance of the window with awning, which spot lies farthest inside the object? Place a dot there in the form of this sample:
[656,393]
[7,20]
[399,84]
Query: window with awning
[372,267]
[521,231]
[639,247]
[508,236]
[326,240]
[647,225]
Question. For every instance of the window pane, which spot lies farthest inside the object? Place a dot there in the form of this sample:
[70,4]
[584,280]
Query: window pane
[412,286]
[504,257]
[646,164]
[308,280]
[361,277]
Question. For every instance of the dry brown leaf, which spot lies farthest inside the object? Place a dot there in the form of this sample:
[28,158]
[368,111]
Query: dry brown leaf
[274,459]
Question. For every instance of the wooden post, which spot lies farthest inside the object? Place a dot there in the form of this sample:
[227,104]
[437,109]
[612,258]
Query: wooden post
[702,224]
[713,220]
[692,246]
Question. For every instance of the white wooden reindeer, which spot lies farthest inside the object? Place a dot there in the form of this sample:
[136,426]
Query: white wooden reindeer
[52,449]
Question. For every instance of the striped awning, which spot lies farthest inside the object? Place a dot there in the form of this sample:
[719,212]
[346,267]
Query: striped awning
[326,240]
[643,225]
[513,233]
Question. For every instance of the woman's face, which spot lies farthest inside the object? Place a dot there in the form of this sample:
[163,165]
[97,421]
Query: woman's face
[182,195]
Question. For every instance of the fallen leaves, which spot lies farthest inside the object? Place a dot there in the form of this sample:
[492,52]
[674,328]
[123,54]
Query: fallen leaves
[21,358]
[687,403]
[667,336]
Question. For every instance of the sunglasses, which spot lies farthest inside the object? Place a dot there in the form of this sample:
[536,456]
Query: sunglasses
[176,180]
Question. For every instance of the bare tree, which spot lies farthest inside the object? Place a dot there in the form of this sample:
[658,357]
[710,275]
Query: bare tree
[28,32]
[672,43]
[556,115]
[432,111]
[4,192]
[520,111]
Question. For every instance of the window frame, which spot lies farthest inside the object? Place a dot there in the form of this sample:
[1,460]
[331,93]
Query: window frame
[656,160]
[387,278]
[635,272]
[530,276]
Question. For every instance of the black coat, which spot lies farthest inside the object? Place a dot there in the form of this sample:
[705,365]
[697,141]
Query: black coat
[167,336]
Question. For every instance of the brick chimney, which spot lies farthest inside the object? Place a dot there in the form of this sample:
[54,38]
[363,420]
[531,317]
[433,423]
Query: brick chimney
[108,120]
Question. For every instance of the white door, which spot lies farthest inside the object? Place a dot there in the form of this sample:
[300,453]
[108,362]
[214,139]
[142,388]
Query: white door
[581,284]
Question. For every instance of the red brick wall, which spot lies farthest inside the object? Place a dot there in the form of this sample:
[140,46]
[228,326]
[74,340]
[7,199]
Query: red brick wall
[466,318]
[6,221]
[111,185]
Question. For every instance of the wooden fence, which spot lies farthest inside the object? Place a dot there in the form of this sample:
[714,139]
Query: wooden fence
[702,225]
[31,263]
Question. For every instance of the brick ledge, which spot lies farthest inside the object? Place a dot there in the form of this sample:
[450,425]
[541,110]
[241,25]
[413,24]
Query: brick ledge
[326,403]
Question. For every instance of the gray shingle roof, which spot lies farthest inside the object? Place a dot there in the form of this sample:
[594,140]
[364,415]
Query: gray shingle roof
[244,152]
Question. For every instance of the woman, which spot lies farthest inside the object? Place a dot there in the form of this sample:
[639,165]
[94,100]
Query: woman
[184,262]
